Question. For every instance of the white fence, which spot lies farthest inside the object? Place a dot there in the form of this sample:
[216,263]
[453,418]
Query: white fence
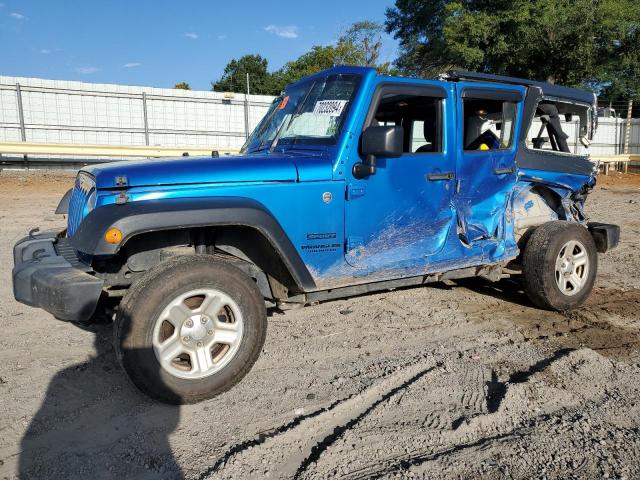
[608,140]
[51,111]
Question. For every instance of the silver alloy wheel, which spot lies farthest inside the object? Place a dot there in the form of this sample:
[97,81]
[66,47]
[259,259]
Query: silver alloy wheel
[198,333]
[572,268]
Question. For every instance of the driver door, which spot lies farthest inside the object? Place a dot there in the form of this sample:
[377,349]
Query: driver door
[399,217]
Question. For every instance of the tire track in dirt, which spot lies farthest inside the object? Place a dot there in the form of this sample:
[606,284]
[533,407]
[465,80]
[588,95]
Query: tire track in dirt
[496,390]
[474,395]
[290,450]
[418,459]
[459,441]
[261,438]
[468,451]
[608,322]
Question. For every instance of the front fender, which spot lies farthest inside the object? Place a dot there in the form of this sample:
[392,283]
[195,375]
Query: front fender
[145,216]
[63,205]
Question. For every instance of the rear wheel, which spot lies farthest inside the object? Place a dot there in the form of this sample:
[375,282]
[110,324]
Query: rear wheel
[190,329]
[559,265]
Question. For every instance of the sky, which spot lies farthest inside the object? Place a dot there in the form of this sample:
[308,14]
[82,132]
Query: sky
[159,43]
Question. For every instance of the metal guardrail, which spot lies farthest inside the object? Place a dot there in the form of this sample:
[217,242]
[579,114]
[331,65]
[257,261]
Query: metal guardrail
[57,155]
[142,151]
[616,161]
[23,148]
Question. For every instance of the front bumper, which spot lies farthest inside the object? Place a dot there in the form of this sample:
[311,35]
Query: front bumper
[49,275]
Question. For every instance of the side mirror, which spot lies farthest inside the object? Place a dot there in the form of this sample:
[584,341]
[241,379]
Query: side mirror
[384,141]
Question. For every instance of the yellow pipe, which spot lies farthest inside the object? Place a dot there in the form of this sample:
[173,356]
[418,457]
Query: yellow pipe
[24,148]
[617,158]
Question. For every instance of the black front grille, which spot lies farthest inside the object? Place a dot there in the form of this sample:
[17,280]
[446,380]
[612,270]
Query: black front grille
[77,204]
[65,249]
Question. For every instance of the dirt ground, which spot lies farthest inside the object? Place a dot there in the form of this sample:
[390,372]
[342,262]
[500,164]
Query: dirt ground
[463,380]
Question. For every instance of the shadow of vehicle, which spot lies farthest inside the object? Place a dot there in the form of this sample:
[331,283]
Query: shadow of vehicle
[93,423]
[508,289]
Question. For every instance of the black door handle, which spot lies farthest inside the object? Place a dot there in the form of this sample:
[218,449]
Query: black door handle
[504,170]
[434,177]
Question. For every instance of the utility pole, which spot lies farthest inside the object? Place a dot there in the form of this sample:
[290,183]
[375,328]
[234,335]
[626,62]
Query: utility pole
[23,131]
[627,133]
[246,110]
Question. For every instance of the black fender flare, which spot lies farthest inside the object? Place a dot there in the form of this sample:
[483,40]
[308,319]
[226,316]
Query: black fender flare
[63,205]
[134,218]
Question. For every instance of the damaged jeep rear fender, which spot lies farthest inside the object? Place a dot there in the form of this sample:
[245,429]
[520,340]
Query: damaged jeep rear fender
[541,197]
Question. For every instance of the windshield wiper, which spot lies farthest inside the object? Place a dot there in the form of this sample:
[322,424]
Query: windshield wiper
[261,127]
[294,115]
[261,147]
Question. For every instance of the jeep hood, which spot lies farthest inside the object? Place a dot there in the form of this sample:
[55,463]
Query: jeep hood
[192,170]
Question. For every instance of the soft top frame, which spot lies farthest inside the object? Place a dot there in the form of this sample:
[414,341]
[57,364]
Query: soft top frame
[548,89]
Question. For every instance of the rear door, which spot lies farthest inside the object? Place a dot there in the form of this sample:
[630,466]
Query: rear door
[488,123]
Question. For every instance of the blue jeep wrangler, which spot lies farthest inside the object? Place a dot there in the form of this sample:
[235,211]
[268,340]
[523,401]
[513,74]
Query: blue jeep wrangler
[352,183]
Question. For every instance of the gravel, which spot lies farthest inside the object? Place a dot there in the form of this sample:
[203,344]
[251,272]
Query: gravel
[464,380]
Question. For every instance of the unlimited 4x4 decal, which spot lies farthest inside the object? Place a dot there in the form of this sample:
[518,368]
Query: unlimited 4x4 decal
[325,247]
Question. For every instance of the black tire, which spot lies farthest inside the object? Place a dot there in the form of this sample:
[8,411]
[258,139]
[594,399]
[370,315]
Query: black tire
[539,265]
[144,303]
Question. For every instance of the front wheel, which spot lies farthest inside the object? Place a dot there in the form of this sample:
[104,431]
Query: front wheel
[190,329]
[559,265]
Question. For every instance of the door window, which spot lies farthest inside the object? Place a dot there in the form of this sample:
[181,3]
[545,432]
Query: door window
[488,124]
[560,127]
[419,115]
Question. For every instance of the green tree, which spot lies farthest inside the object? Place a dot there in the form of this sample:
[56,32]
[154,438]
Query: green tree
[574,42]
[182,86]
[234,77]
[620,74]
[364,40]
[317,59]
[361,44]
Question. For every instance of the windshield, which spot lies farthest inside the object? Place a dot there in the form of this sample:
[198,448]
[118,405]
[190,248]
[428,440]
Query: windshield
[310,113]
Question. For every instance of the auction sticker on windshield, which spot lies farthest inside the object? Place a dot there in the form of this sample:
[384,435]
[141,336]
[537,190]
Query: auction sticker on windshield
[331,108]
